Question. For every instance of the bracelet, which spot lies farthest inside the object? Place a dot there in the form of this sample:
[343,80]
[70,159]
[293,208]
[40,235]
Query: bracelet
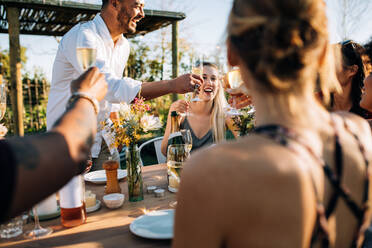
[87,96]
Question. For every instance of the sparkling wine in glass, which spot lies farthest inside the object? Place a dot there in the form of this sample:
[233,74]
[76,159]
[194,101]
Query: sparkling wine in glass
[196,68]
[86,57]
[232,82]
[38,231]
[176,157]
[187,138]
[2,100]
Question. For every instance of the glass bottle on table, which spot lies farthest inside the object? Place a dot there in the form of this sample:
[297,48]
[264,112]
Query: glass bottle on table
[72,202]
[175,136]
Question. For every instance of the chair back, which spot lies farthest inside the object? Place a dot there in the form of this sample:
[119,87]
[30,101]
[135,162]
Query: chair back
[157,144]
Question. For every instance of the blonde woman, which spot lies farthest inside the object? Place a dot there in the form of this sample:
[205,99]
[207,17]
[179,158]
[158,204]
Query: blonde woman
[206,119]
[300,180]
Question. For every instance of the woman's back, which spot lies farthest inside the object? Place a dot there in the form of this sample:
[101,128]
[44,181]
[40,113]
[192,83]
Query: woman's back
[262,193]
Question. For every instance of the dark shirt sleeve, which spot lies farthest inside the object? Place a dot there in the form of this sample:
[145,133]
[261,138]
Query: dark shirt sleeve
[8,172]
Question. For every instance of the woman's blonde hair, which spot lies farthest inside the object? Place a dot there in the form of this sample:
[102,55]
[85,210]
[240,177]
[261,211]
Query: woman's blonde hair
[281,42]
[217,114]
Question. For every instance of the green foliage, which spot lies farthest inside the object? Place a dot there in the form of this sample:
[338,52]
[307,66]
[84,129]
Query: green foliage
[34,112]
[244,122]
[5,61]
[149,62]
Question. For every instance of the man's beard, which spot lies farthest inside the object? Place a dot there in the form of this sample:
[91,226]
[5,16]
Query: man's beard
[124,20]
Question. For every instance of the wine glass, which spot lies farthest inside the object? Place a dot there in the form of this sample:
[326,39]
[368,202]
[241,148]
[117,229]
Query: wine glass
[188,97]
[86,56]
[187,138]
[2,100]
[196,68]
[233,83]
[38,231]
[176,157]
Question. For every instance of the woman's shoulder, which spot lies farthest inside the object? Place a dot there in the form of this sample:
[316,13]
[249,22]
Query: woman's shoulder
[254,156]
[357,126]
[253,164]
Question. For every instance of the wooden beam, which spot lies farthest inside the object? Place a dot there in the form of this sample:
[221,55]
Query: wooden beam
[175,58]
[15,70]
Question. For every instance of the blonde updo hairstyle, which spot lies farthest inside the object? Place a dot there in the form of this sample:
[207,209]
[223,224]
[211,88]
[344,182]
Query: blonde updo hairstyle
[282,42]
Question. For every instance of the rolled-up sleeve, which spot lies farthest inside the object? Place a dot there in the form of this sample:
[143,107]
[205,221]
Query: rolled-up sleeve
[122,90]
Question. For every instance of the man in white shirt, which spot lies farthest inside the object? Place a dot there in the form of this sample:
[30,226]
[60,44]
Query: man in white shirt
[105,34]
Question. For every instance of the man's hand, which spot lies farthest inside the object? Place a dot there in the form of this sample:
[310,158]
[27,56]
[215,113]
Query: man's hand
[92,82]
[185,83]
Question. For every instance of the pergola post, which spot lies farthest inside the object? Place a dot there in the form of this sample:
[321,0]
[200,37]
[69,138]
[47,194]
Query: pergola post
[175,58]
[15,70]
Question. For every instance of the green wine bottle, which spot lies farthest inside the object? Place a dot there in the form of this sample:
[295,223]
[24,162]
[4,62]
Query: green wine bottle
[175,136]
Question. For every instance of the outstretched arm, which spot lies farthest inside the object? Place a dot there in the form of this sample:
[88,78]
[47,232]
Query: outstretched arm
[44,163]
[179,85]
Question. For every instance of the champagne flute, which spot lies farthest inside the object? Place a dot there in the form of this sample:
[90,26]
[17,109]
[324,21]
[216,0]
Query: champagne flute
[232,83]
[86,57]
[38,231]
[196,68]
[2,100]
[187,138]
[177,155]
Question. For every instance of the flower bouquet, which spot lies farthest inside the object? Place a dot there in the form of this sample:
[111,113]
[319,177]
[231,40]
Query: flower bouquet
[134,120]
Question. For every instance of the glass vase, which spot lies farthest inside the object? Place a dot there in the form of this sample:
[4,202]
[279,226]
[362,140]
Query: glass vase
[134,169]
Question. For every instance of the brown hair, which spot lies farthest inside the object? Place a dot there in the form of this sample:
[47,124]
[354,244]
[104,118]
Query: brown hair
[281,41]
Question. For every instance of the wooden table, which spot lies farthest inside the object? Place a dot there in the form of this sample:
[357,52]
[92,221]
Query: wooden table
[106,227]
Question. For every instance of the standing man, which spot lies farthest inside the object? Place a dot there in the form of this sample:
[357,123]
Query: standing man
[105,34]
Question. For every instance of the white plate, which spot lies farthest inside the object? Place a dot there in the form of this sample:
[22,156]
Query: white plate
[154,225]
[95,207]
[99,176]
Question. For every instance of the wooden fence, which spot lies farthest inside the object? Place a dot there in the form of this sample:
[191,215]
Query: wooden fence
[35,98]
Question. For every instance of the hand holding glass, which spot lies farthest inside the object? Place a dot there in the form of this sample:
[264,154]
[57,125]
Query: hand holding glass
[233,83]
[197,69]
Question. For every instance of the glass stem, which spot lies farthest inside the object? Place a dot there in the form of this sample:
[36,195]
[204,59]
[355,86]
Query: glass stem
[36,218]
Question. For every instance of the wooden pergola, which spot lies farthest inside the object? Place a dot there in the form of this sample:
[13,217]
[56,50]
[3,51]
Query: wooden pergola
[55,18]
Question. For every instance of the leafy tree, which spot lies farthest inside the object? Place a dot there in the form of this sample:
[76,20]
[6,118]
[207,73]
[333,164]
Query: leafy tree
[5,61]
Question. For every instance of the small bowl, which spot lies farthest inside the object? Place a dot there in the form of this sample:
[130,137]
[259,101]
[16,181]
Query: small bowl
[115,200]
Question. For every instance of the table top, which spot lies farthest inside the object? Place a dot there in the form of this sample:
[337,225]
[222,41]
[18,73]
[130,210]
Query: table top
[105,227]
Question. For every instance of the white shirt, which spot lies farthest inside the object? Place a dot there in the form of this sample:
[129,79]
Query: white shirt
[111,60]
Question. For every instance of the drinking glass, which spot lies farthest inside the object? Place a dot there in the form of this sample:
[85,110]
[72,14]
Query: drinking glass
[187,138]
[176,158]
[2,100]
[38,231]
[232,82]
[11,228]
[196,68]
[86,56]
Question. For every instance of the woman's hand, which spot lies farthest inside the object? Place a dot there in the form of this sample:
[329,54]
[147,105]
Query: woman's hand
[240,100]
[180,106]
[92,82]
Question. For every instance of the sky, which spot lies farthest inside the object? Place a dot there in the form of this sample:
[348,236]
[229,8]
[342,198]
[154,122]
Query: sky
[204,26]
